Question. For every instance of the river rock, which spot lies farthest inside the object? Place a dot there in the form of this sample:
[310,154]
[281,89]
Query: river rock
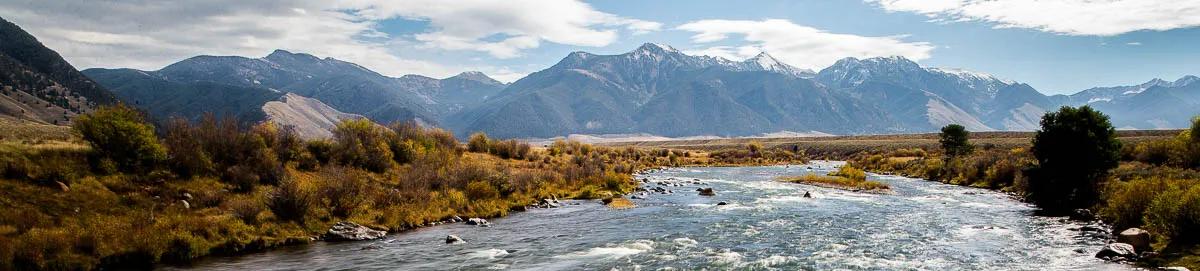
[477,221]
[455,219]
[1117,251]
[452,239]
[1138,238]
[708,191]
[350,231]
[1083,215]
[722,203]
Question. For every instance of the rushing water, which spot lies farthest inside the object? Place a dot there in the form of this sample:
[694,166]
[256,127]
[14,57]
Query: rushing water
[766,225]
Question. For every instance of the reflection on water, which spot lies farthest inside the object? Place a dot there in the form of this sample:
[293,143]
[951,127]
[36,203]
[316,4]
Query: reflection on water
[766,225]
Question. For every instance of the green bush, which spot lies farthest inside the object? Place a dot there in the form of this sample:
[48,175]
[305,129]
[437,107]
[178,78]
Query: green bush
[120,133]
[1075,149]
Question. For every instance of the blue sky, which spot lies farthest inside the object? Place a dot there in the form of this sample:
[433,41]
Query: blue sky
[1058,46]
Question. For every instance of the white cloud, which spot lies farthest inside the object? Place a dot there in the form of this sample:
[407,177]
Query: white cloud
[149,34]
[1133,43]
[797,45]
[520,24]
[1070,17]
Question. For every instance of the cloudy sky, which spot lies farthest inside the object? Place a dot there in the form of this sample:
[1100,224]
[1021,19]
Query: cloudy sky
[1058,46]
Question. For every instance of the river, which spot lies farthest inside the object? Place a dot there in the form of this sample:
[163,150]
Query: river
[766,225]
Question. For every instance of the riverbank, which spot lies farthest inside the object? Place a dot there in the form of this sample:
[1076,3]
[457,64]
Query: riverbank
[221,188]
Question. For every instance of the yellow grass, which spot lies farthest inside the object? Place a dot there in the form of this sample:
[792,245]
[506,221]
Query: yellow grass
[838,182]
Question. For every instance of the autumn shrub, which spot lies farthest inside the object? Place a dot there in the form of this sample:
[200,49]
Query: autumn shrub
[482,190]
[362,144]
[1174,215]
[478,142]
[291,200]
[1126,201]
[186,152]
[321,150]
[343,190]
[850,172]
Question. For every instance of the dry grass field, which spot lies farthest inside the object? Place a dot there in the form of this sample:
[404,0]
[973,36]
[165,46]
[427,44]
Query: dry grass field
[844,146]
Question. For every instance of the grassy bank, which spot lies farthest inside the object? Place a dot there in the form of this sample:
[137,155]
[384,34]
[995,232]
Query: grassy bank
[846,178]
[1155,187]
[119,192]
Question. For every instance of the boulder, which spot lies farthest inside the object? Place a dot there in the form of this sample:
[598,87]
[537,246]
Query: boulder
[186,205]
[452,239]
[1138,238]
[477,221]
[708,191]
[1117,251]
[722,203]
[187,196]
[350,231]
[455,219]
[62,186]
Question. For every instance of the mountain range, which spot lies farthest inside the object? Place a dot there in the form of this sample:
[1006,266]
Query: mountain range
[653,89]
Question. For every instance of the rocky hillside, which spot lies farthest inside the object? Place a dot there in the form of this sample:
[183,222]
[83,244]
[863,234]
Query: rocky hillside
[36,84]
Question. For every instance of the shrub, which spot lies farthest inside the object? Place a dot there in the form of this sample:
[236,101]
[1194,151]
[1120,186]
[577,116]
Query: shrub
[187,156]
[478,142]
[119,133]
[362,144]
[482,190]
[343,189]
[954,140]
[1126,202]
[246,209]
[291,200]
[1075,148]
[321,150]
[1175,215]
[850,172]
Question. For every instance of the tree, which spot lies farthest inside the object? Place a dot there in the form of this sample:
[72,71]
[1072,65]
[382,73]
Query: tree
[954,140]
[120,136]
[1075,149]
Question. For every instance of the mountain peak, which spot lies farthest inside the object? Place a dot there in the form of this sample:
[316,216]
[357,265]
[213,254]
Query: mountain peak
[284,55]
[475,76]
[1185,80]
[656,47]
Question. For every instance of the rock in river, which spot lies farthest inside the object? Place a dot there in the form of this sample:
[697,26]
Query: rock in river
[350,231]
[452,239]
[1117,251]
[708,191]
[1138,238]
[477,221]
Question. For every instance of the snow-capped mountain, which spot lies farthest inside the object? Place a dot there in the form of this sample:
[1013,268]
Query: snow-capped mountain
[653,89]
